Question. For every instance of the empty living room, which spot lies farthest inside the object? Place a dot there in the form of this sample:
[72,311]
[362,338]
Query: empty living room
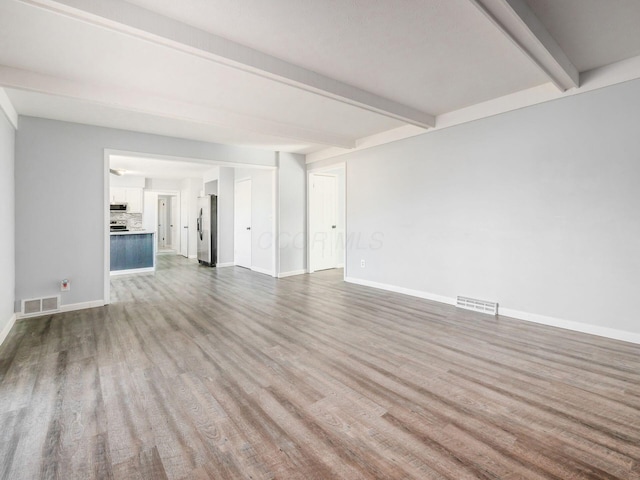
[296,239]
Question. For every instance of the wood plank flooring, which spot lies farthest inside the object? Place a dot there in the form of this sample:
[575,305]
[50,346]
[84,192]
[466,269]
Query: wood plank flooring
[199,373]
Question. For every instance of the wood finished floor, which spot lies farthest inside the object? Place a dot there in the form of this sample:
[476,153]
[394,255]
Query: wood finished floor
[199,373]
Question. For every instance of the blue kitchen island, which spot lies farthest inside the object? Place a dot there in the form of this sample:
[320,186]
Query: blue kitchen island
[132,252]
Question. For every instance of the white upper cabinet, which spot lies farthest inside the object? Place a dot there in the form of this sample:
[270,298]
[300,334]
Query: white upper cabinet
[134,200]
[131,196]
[118,195]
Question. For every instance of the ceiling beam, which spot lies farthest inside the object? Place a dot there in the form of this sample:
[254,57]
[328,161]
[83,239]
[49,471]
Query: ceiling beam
[7,108]
[138,101]
[519,24]
[130,19]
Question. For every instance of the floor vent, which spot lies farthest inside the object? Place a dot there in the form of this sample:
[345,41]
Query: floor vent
[39,306]
[477,305]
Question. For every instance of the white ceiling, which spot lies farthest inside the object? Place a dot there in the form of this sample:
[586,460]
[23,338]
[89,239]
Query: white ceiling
[317,73]
[384,47]
[592,33]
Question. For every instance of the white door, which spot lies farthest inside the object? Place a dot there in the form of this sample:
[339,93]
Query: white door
[175,239]
[184,226]
[242,224]
[323,210]
[162,223]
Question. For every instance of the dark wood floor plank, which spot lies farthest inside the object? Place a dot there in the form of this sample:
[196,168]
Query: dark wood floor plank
[202,373]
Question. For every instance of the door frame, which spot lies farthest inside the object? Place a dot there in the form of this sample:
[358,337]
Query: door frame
[325,170]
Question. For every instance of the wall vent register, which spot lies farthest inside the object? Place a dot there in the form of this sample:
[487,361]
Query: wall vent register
[477,305]
[39,306]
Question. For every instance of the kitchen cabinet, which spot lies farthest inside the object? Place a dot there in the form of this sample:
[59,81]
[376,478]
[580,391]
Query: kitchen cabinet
[134,200]
[129,195]
[132,251]
[118,195]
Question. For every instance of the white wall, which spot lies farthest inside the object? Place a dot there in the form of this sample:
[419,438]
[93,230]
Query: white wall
[226,185]
[7,220]
[211,188]
[162,184]
[60,199]
[211,175]
[262,214]
[292,191]
[537,209]
[127,181]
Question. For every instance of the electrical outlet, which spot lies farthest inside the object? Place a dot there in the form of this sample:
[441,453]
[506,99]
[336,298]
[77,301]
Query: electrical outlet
[362,263]
[65,285]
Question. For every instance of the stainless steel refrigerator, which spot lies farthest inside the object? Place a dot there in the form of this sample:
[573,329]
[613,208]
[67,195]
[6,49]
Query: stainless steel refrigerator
[208,230]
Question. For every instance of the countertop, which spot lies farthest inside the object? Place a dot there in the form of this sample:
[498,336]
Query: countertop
[133,232]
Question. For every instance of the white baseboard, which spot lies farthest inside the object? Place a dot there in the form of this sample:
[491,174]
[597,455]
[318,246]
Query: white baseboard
[606,332]
[225,264]
[7,328]
[115,273]
[340,265]
[82,306]
[66,308]
[405,291]
[291,273]
[262,270]
[572,325]
[193,256]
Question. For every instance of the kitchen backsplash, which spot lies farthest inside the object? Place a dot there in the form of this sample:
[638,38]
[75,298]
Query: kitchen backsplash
[134,220]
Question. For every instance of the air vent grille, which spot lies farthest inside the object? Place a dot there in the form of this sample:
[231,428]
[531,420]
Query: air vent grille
[50,304]
[29,307]
[477,305]
[38,306]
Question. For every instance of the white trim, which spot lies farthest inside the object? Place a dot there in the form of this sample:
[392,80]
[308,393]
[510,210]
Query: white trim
[403,290]
[82,306]
[7,108]
[291,273]
[107,230]
[275,223]
[262,270]
[7,328]
[65,308]
[225,264]
[131,271]
[193,257]
[606,332]
[572,325]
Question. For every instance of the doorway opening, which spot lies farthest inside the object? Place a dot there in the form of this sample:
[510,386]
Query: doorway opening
[168,237]
[326,218]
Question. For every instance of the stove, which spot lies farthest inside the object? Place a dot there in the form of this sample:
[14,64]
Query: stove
[118,226]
